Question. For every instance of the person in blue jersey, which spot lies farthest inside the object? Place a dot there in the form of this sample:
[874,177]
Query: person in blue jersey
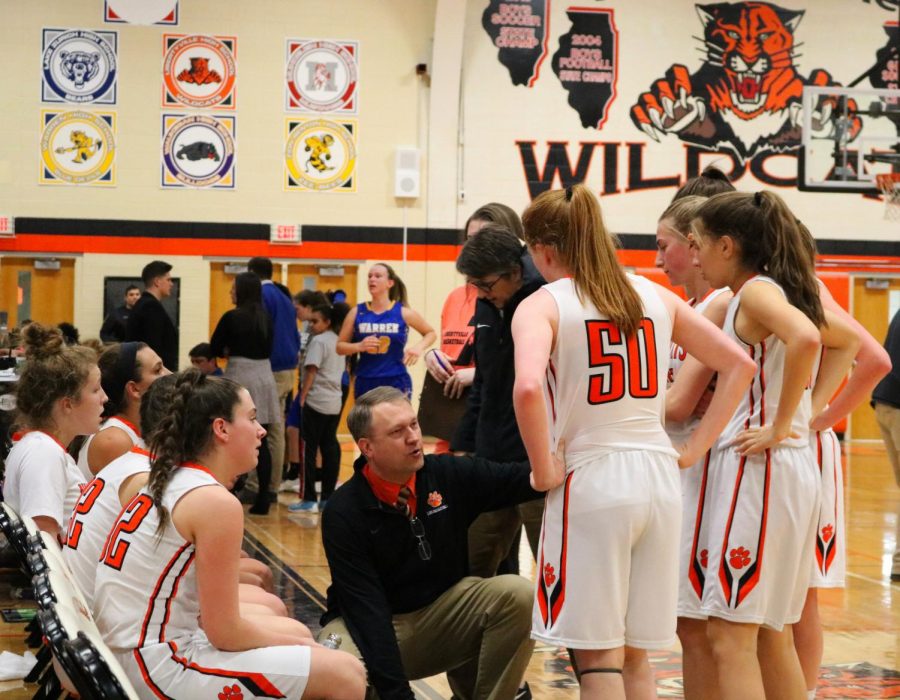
[378,331]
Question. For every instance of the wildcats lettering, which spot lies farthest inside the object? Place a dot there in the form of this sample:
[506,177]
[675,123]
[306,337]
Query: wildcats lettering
[566,165]
[368,328]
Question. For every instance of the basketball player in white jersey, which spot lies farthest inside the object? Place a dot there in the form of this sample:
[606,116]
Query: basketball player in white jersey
[829,548]
[58,397]
[102,499]
[595,343]
[765,490]
[170,564]
[676,258]
[127,370]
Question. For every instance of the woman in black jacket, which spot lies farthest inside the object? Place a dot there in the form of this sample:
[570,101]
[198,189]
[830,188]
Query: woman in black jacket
[244,336]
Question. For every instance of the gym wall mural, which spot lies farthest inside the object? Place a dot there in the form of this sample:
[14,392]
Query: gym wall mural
[641,96]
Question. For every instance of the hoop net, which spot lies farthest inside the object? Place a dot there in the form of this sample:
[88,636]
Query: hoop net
[889,184]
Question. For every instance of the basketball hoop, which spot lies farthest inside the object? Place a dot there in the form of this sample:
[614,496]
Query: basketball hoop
[889,184]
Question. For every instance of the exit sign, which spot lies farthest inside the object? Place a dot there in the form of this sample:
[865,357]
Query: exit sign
[7,225]
[285,233]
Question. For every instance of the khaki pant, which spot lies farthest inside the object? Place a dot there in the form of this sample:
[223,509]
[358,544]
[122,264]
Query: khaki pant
[888,419]
[492,534]
[477,633]
[284,383]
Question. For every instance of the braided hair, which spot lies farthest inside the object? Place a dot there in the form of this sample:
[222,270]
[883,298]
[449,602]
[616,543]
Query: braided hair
[185,432]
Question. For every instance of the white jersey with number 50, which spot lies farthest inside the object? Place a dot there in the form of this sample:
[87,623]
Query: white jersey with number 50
[605,392]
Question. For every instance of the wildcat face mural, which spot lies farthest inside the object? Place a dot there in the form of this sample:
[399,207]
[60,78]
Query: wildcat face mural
[745,97]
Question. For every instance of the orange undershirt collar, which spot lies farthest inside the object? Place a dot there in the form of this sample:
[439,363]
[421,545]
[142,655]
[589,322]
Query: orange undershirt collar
[197,465]
[18,435]
[387,491]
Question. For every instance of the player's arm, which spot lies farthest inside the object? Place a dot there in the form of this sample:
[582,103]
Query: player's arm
[534,329]
[872,364]
[345,346]
[702,339]
[218,551]
[841,343]
[766,307]
[415,321]
[694,377]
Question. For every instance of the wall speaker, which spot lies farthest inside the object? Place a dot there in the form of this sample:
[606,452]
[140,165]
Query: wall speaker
[407,179]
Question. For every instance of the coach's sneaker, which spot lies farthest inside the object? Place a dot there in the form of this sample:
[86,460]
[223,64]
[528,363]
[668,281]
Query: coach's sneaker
[304,507]
[523,693]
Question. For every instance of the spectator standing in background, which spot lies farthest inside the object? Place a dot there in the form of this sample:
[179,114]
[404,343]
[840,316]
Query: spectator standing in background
[244,335]
[886,400]
[115,325]
[149,322]
[285,348]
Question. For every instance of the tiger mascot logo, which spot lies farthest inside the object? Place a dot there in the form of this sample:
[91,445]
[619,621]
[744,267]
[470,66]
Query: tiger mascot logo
[746,95]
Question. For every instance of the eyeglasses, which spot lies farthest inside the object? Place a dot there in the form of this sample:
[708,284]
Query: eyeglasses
[418,531]
[485,287]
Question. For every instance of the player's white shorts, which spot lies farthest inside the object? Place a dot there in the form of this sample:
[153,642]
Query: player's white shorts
[199,670]
[830,549]
[761,535]
[693,552]
[608,564]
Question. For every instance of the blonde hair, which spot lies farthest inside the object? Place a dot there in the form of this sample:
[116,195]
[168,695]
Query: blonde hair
[570,221]
[679,214]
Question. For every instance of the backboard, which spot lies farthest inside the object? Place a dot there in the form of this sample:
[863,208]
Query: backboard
[850,135]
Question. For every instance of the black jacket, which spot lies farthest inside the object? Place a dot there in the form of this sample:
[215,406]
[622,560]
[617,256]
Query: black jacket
[489,428]
[149,323]
[115,325]
[888,389]
[376,571]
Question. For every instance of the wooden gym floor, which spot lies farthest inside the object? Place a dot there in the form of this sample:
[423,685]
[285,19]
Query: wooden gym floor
[862,621]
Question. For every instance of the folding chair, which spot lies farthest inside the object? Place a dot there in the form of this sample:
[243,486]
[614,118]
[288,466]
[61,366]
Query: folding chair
[16,532]
[67,617]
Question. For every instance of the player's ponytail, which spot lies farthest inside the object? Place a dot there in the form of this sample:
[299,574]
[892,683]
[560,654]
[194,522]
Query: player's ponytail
[570,221]
[791,262]
[185,432]
[711,181]
[398,291]
[770,242]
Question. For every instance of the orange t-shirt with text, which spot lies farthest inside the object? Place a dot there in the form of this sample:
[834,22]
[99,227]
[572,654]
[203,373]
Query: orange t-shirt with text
[456,332]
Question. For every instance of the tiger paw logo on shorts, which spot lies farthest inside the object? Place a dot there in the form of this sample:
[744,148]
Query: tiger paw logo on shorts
[549,575]
[199,71]
[704,558]
[827,533]
[231,692]
[739,558]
